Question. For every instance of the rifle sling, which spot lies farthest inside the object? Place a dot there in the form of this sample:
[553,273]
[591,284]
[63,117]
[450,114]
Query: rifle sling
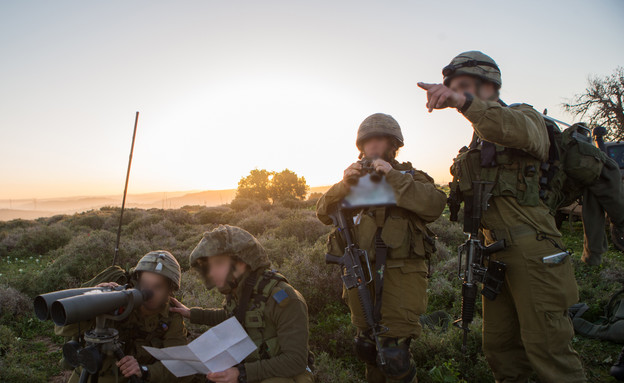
[241,310]
[381,252]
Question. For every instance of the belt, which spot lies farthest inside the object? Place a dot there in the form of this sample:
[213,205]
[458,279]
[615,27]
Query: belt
[510,234]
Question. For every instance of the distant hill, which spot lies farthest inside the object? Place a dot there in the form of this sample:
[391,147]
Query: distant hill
[35,208]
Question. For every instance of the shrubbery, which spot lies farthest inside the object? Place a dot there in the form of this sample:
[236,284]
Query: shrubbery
[64,251]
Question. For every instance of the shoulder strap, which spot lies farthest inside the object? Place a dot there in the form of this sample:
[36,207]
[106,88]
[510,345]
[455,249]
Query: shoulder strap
[239,312]
[270,278]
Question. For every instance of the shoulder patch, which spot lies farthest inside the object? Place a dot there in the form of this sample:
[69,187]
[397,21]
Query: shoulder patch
[280,296]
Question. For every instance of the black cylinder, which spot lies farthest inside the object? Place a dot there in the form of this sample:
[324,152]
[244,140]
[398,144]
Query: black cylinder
[87,306]
[43,302]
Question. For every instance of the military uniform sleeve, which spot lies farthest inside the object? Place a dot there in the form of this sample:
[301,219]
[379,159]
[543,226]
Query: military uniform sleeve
[290,316]
[331,197]
[210,317]
[520,127]
[175,336]
[417,194]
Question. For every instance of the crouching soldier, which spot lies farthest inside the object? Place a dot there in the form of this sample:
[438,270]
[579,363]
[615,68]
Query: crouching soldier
[397,243]
[272,312]
[152,324]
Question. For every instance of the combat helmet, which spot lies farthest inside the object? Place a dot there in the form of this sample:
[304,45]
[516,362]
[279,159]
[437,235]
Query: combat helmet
[232,241]
[473,63]
[160,262]
[376,125]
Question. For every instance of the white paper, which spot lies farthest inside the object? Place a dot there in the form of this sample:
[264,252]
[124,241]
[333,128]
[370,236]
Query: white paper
[368,193]
[218,349]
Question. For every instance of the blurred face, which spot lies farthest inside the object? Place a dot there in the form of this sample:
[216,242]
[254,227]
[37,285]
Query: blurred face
[469,84]
[159,286]
[218,269]
[376,147]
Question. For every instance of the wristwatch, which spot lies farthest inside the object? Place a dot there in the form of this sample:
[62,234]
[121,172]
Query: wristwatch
[242,373]
[469,98]
[145,373]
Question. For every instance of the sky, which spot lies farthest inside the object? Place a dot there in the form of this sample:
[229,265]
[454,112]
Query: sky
[225,87]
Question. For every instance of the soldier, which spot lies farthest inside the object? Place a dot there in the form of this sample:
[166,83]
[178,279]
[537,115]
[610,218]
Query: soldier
[272,312]
[150,325]
[526,328]
[397,239]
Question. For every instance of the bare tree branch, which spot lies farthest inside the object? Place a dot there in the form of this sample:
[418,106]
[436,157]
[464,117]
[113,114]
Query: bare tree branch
[602,103]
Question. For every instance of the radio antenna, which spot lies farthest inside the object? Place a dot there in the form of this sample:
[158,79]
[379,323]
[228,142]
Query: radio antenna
[123,202]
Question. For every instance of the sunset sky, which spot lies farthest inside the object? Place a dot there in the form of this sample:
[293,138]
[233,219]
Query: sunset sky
[225,87]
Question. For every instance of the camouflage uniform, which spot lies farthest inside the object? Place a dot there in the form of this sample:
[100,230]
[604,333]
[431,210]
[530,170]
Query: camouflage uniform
[526,328]
[409,242]
[275,316]
[161,329]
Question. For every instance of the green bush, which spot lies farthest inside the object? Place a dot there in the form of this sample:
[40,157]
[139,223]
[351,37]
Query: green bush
[319,283]
[303,225]
[240,204]
[84,257]
[280,248]
[90,219]
[214,215]
[148,219]
[258,221]
[447,232]
[35,240]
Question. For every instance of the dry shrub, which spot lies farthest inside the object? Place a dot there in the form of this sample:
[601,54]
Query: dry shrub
[258,221]
[278,248]
[240,204]
[449,233]
[178,216]
[319,283]
[214,215]
[13,302]
[35,240]
[303,225]
[83,258]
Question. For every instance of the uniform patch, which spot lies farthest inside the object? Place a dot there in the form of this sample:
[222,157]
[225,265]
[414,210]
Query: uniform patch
[280,296]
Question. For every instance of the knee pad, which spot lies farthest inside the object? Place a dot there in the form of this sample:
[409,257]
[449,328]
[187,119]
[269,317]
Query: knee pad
[399,364]
[365,350]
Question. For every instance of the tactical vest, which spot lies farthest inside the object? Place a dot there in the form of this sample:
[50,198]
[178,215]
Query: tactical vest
[573,163]
[134,337]
[404,233]
[512,172]
[261,331]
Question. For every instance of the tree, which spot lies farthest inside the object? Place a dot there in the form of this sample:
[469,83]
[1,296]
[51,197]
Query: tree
[287,185]
[255,186]
[602,103]
[262,185]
